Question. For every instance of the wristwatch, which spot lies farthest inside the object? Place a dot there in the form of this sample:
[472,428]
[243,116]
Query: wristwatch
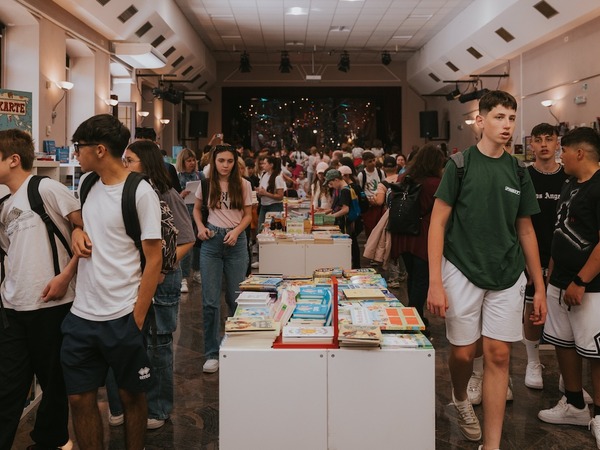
[579,282]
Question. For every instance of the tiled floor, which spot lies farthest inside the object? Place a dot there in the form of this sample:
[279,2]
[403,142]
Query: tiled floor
[195,420]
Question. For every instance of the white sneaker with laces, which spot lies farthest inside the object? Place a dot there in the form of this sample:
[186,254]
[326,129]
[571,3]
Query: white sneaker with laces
[254,265]
[594,426]
[154,424]
[533,375]
[587,398]
[115,421]
[565,414]
[468,423]
[509,391]
[197,278]
[184,286]
[210,366]
[474,388]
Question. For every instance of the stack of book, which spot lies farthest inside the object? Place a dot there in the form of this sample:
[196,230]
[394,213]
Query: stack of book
[293,334]
[313,306]
[250,332]
[284,306]
[328,272]
[405,340]
[399,318]
[261,283]
[359,336]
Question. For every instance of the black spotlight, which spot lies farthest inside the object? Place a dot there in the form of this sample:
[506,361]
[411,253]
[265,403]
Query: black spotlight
[285,65]
[454,94]
[245,66]
[386,58]
[344,64]
[475,95]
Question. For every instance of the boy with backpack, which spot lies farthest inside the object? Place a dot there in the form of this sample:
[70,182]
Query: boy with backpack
[483,278]
[368,179]
[104,327]
[37,292]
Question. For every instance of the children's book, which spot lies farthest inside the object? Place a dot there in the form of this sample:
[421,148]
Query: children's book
[363,293]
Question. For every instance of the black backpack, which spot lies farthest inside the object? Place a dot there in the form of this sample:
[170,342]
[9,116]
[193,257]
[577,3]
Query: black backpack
[132,223]
[37,206]
[404,208]
[362,197]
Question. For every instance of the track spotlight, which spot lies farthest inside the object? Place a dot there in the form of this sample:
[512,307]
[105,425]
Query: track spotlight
[386,58]
[285,65]
[475,95]
[344,64]
[454,94]
[245,66]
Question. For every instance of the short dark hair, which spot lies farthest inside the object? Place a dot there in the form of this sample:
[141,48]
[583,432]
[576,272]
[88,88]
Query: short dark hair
[494,98]
[104,129]
[389,161]
[367,156]
[15,141]
[542,129]
[145,133]
[582,135]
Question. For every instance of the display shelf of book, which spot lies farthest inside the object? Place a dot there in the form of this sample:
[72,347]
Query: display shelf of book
[334,323]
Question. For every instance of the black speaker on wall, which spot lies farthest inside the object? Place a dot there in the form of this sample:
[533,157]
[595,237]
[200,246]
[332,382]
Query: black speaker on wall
[428,124]
[198,125]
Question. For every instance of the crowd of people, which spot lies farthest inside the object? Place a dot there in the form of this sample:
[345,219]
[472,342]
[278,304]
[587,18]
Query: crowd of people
[537,277]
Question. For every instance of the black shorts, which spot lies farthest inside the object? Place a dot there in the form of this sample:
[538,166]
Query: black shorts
[89,348]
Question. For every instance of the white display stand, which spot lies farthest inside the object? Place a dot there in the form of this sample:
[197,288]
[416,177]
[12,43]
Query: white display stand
[50,169]
[303,258]
[327,399]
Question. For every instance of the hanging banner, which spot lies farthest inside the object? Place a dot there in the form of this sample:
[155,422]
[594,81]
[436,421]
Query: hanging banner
[15,110]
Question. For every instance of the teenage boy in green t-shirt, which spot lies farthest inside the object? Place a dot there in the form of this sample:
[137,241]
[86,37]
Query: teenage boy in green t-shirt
[480,240]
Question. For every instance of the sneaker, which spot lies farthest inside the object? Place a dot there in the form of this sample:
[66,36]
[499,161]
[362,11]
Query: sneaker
[210,366]
[533,375]
[154,424]
[402,277]
[587,398]
[393,284]
[184,286]
[565,414]
[594,426]
[509,391]
[474,388]
[197,278]
[115,421]
[254,265]
[468,423]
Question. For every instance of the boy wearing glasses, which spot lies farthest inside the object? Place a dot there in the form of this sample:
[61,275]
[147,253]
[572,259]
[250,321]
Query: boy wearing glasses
[113,295]
[35,299]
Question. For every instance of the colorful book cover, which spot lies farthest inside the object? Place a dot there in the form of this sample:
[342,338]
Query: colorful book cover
[359,332]
[309,310]
[237,324]
[253,311]
[363,293]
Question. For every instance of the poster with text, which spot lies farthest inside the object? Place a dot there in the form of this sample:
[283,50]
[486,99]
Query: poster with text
[15,110]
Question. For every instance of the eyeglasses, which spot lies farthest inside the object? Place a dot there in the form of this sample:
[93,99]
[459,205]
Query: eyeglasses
[78,145]
[128,161]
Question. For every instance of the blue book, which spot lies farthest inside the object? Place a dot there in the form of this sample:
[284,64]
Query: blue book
[310,311]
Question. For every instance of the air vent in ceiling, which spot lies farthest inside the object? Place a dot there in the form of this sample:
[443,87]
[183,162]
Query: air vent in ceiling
[474,52]
[177,61]
[143,29]
[103,2]
[452,66]
[504,34]
[434,77]
[545,9]
[159,40]
[203,84]
[186,71]
[193,80]
[169,52]
[128,14]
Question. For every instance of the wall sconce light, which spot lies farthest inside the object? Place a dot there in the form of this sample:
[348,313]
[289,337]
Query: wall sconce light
[165,121]
[469,121]
[64,86]
[143,115]
[548,104]
[111,101]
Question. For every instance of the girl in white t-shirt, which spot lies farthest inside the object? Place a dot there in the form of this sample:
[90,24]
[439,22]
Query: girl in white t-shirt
[224,249]
[270,189]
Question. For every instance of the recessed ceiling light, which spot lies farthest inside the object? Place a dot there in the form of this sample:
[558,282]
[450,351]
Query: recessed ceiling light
[421,16]
[221,16]
[402,37]
[231,37]
[295,43]
[341,28]
[297,11]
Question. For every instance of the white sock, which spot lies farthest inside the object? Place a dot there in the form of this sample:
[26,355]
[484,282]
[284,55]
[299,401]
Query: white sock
[533,351]
[478,364]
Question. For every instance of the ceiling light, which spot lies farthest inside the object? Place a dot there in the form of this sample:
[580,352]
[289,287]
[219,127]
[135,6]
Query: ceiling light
[139,55]
[297,11]
[386,59]
[547,103]
[245,66]
[402,37]
[285,65]
[344,64]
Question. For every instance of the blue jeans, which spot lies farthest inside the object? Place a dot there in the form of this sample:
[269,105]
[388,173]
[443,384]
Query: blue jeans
[264,209]
[166,309]
[218,259]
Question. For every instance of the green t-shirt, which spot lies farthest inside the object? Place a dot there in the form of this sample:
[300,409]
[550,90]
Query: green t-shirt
[481,236]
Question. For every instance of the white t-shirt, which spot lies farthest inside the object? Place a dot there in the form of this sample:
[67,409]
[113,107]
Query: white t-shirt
[108,281]
[264,183]
[23,235]
[225,217]
[372,181]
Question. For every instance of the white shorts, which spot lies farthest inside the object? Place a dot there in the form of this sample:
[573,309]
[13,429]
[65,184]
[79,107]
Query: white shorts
[574,326]
[474,312]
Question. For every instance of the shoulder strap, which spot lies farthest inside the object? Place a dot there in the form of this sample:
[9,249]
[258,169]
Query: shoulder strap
[520,168]
[364,179]
[204,185]
[129,210]
[380,174]
[86,186]
[37,205]
[459,160]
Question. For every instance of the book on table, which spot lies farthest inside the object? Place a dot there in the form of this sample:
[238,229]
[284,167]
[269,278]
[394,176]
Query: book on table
[263,312]
[359,335]
[405,340]
[363,293]
[307,334]
[401,318]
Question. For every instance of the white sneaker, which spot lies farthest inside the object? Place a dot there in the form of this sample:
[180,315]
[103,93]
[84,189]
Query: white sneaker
[197,278]
[565,414]
[509,391]
[254,265]
[474,388]
[533,375]
[587,398]
[468,423]
[210,366]
[154,424]
[184,286]
[115,421]
[594,426]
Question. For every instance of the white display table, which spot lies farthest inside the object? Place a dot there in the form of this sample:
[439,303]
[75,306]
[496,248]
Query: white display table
[327,399]
[303,258]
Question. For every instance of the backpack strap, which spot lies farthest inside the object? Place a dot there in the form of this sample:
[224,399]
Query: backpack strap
[37,205]
[3,274]
[129,210]
[86,186]
[459,160]
[364,179]
[380,174]
[205,193]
